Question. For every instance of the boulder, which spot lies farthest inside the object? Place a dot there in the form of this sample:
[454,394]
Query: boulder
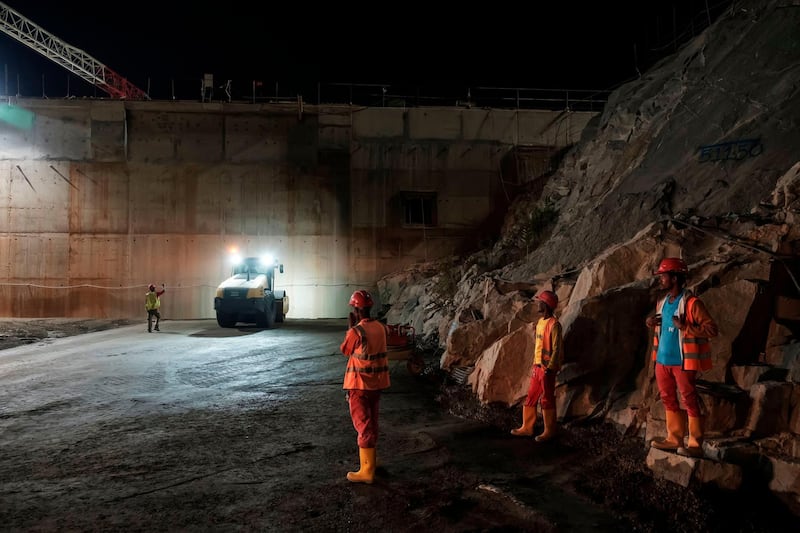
[502,373]
[778,335]
[785,481]
[745,376]
[788,357]
[729,306]
[770,409]
[686,470]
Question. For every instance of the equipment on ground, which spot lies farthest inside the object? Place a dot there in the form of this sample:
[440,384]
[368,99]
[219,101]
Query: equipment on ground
[401,346]
[73,59]
[249,295]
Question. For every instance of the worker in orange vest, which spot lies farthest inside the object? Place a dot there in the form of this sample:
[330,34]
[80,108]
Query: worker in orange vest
[682,327]
[548,355]
[366,376]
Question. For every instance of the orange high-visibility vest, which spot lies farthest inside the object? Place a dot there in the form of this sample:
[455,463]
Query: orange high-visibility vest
[367,366]
[551,351]
[695,351]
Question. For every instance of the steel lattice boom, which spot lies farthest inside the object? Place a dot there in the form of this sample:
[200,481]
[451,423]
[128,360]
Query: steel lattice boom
[73,59]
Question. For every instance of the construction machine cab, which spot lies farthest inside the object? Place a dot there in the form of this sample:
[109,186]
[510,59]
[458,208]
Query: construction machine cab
[249,294]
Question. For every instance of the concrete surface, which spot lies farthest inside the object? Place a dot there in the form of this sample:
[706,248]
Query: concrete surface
[100,198]
[204,429]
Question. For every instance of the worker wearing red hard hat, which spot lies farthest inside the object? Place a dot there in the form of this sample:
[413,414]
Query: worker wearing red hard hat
[548,356]
[367,374]
[682,326]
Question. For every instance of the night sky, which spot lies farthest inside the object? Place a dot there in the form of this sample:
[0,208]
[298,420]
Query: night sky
[407,46]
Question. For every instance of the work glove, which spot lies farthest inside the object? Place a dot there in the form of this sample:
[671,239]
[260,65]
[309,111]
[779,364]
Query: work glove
[351,320]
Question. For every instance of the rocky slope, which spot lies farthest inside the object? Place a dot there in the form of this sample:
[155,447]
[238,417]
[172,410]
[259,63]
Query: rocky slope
[699,159]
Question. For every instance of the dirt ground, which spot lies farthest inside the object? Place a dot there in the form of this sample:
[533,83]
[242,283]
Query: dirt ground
[15,332]
[454,476]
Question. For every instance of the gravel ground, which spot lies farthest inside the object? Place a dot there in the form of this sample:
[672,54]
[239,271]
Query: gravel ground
[453,467]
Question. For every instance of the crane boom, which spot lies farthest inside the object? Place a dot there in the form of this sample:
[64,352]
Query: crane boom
[73,59]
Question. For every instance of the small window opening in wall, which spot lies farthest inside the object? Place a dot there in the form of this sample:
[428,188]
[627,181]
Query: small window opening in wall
[419,209]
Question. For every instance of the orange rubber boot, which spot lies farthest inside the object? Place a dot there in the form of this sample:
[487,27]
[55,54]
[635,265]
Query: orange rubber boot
[528,420]
[694,447]
[367,471]
[549,432]
[676,430]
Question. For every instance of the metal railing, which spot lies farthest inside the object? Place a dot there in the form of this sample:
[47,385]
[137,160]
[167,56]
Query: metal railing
[387,95]
[356,94]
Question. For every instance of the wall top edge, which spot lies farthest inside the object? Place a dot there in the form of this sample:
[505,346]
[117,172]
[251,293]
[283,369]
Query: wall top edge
[188,106]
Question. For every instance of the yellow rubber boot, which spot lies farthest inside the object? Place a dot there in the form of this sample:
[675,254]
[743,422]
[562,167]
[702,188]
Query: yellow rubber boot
[528,420]
[549,432]
[695,444]
[676,430]
[367,471]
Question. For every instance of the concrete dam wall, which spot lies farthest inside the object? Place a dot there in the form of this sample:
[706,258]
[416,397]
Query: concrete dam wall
[99,198]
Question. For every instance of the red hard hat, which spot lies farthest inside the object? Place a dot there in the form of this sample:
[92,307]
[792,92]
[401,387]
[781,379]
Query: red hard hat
[672,264]
[152,287]
[549,298]
[361,299]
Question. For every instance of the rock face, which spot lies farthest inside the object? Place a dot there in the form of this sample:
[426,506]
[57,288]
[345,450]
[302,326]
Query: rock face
[698,159]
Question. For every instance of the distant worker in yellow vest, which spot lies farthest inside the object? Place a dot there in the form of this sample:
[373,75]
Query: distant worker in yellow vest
[152,302]
[367,374]
[548,355]
[682,327]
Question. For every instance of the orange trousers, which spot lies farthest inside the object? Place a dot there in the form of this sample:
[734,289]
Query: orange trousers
[364,407]
[543,387]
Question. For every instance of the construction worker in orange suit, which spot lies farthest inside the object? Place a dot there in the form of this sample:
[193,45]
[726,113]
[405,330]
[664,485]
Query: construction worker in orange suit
[547,359]
[682,327]
[366,376]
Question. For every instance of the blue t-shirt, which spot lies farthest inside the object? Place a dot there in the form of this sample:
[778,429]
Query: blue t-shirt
[669,349]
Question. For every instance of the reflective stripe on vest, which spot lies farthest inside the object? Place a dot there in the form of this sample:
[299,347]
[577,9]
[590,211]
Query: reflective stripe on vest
[695,351]
[363,334]
[365,370]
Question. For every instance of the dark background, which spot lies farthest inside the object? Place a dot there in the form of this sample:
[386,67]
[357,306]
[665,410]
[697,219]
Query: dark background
[412,49]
